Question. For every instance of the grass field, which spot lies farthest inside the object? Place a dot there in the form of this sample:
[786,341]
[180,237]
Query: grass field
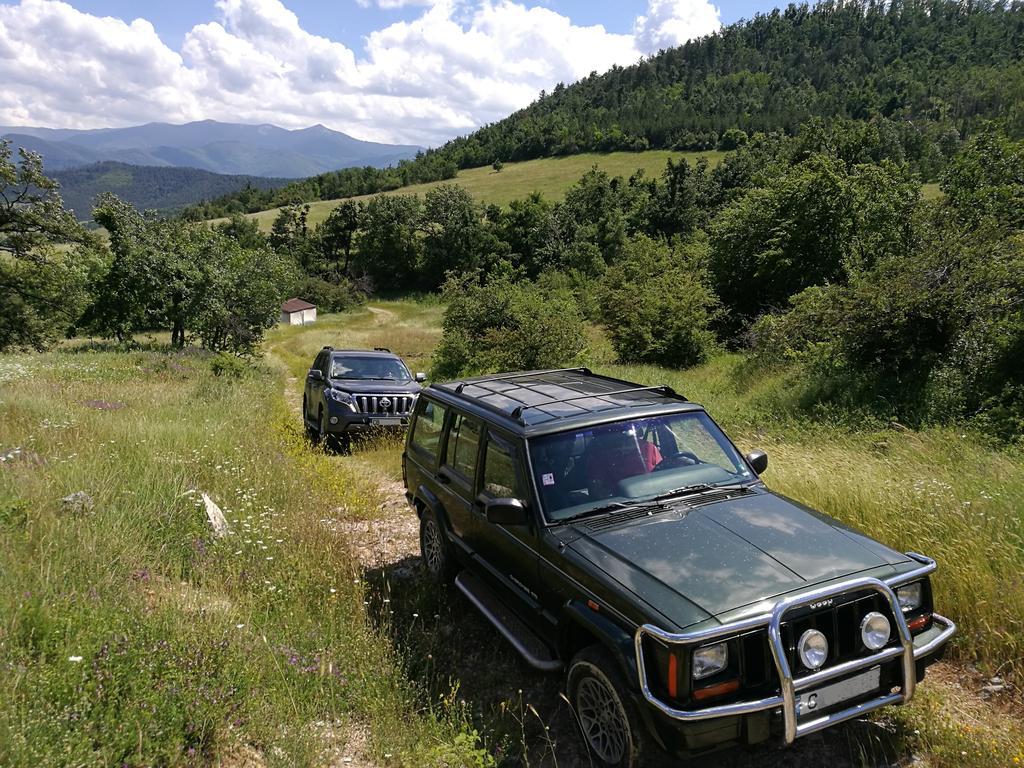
[550,176]
[130,634]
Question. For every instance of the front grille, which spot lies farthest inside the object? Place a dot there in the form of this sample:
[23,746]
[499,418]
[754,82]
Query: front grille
[386,405]
[840,624]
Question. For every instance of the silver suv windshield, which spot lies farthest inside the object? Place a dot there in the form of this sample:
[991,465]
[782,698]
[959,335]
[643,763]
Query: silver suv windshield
[370,368]
[631,461]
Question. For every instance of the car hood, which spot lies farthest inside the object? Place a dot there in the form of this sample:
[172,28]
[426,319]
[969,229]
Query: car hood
[725,555]
[375,387]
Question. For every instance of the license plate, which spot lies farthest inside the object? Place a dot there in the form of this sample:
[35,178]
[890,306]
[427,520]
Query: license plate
[387,422]
[828,696]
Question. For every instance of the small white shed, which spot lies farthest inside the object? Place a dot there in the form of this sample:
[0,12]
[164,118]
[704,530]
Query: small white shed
[298,312]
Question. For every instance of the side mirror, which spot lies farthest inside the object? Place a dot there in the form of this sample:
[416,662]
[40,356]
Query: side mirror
[758,460]
[315,374]
[421,377]
[507,512]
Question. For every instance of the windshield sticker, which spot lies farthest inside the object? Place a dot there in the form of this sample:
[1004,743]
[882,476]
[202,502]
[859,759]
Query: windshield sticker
[548,479]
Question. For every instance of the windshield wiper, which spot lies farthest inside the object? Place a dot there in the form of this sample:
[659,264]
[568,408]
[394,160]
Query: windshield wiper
[687,490]
[614,507]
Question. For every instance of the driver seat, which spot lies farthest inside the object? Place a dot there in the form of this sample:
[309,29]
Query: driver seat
[611,457]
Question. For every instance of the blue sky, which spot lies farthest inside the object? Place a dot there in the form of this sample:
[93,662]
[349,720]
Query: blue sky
[403,71]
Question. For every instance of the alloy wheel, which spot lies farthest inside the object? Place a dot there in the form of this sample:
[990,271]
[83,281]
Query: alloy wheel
[602,719]
[433,552]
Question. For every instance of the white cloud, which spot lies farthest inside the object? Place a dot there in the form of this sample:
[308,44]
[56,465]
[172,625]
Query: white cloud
[668,23]
[457,65]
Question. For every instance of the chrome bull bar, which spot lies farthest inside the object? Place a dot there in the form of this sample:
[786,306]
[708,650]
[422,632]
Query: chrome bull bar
[906,651]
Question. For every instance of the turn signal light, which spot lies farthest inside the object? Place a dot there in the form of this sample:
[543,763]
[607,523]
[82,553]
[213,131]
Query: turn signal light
[916,625]
[719,689]
[673,675]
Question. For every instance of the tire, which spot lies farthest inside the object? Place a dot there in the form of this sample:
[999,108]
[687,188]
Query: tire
[435,549]
[611,726]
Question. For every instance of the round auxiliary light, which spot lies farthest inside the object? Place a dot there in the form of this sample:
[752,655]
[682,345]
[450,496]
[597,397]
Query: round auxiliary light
[813,648]
[874,630]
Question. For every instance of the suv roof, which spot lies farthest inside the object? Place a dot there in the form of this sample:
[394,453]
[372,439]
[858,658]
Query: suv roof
[548,401]
[375,352]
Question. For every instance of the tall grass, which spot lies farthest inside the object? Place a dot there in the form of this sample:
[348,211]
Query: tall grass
[129,634]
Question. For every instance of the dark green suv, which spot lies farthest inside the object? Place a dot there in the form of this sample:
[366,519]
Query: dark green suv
[613,531]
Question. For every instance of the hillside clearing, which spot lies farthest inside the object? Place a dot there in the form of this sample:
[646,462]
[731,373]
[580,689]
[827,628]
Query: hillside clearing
[551,176]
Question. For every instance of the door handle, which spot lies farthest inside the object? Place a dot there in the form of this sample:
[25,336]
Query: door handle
[443,478]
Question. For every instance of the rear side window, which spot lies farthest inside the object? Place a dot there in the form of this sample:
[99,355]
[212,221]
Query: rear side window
[463,442]
[426,432]
[500,477]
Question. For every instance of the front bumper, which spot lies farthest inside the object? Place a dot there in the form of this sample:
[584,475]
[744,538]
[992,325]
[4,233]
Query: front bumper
[907,654]
[342,419]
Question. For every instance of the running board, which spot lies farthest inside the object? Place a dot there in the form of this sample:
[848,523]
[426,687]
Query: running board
[534,651]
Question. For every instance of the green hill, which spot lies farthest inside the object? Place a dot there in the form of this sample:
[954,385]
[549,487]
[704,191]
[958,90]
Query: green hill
[550,176]
[925,73]
[150,187]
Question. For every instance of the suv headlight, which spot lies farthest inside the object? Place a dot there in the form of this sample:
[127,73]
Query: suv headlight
[910,596]
[710,660]
[340,397]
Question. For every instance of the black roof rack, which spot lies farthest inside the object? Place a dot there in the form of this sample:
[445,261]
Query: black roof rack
[517,395]
[665,390]
[328,346]
[504,376]
[382,349]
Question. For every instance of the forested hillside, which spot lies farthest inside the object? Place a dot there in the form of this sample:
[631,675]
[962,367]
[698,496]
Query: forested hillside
[928,71]
[148,187]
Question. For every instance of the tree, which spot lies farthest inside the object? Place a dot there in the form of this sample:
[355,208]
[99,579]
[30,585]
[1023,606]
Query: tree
[388,246]
[803,227]
[498,166]
[289,234]
[187,277]
[454,235]
[657,304]
[500,325]
[244,230]
[337,234]
[46,257]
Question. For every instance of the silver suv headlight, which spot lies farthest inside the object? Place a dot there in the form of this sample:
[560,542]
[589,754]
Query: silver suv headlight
[710,660]
[339,397]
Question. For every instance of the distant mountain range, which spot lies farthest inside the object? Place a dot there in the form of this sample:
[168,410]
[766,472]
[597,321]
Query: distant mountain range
[227,148]
[150,188]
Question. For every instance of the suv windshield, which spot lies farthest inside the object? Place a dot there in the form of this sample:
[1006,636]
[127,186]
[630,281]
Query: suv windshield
[630,461]
[377,368]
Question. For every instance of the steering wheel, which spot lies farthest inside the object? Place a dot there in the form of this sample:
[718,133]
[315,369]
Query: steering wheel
[677,459]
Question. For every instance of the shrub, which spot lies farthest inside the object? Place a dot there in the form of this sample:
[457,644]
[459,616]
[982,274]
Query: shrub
[329,296]
[657,304]
[228,366]
[503,325]
[933,336]
[803,227]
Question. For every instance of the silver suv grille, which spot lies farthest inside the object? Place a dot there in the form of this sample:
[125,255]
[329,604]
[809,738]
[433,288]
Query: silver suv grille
[386,405]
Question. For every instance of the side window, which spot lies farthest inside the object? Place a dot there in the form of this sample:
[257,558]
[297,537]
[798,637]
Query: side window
[427,429]
[500,477]
[463,441]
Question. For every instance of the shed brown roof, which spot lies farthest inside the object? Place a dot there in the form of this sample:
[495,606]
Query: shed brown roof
[296,305]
